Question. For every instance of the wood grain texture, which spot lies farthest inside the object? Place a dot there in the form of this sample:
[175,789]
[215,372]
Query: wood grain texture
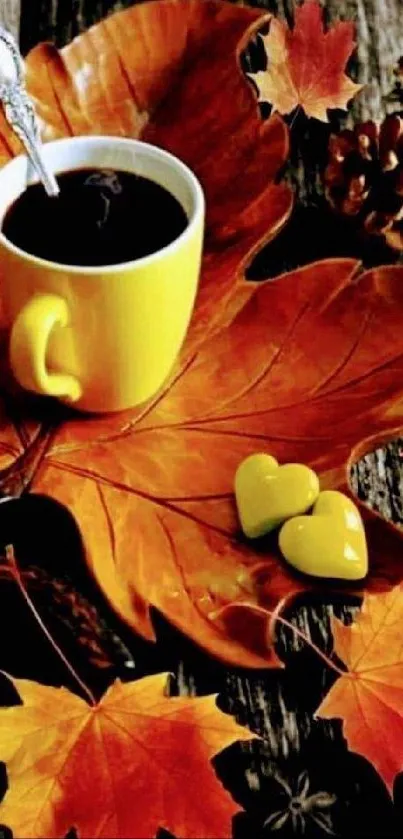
[60,20]
[10,15]
[379,32]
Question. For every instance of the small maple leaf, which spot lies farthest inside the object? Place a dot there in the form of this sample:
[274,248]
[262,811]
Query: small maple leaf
[305,65]
[123,768]
[369,697]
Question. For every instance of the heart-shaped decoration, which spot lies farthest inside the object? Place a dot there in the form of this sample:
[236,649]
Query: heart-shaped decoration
[267,494]
[329,543]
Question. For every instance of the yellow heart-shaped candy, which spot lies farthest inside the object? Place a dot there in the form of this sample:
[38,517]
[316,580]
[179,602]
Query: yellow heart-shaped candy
[267,494]
[329,543]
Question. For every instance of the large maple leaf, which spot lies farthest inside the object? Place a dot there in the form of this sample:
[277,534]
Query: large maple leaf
[133,763]
[303,372]
[369,696]
[305,65]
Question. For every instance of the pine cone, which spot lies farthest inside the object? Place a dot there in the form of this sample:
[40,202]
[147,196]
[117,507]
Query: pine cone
[364,178]
[396,92]
[59,600]
[398,74]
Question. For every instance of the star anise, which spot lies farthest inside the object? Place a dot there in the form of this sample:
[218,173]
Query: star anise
[300,806]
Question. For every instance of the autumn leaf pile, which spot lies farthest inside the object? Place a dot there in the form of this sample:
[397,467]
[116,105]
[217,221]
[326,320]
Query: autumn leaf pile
[128,765]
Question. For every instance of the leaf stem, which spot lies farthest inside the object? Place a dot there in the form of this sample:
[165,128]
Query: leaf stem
[268,613]
[12,564]
[310,643]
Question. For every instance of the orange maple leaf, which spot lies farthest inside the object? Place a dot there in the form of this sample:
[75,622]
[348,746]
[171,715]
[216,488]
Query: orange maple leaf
[305,65]
[369,696]
[302,373]
[133,763]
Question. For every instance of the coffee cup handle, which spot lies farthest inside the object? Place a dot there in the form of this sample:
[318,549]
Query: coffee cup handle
[29,340]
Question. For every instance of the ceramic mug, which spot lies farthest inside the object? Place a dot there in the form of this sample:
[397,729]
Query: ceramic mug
[104,338]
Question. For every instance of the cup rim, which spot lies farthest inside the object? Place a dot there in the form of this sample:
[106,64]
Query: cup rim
[91,270]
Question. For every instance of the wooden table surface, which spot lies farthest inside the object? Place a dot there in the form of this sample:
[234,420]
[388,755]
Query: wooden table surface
[275,780]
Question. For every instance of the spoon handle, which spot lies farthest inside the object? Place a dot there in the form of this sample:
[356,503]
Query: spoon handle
[20,113]
[19,110]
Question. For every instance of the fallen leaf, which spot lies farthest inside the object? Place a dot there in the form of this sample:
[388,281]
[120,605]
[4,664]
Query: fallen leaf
[135,762]
[305,65]
[369,696]
[302,372]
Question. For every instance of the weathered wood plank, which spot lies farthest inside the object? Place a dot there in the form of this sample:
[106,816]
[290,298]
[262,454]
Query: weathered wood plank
[379,32]
[10,15]
[60,20]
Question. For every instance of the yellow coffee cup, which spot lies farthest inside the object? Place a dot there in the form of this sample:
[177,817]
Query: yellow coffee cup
[101,338]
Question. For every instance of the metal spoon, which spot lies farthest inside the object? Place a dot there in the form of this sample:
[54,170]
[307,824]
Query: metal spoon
[19,110]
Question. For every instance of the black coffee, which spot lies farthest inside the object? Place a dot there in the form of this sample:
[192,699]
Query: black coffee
[101,217]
